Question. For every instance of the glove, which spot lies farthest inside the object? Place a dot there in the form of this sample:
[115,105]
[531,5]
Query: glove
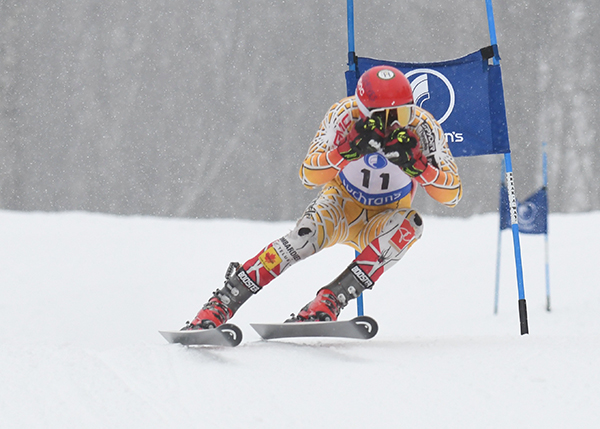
[366,137]
[403,149]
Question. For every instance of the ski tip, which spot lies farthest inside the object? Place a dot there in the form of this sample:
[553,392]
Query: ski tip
[232,332]
[367,325]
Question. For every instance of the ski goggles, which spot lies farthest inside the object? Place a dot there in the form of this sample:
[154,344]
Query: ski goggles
[389,115]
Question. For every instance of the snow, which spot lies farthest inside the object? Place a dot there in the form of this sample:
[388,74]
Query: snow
[84,295]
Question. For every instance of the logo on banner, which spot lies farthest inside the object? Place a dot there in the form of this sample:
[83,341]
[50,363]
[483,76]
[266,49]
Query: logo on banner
[433,92]
[528,213]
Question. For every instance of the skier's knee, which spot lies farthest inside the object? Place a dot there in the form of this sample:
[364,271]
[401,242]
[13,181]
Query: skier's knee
[303,239]
[409,221]
[416,222]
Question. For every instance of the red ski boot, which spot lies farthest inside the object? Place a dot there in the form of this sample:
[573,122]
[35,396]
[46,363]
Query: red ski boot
[214,313]
[325,307]
[225,301]
[331,299]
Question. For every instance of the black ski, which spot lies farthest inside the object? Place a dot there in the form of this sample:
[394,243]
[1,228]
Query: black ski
[361,327]
[227,335]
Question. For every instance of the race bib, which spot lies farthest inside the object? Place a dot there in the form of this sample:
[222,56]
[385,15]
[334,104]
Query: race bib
[374,181]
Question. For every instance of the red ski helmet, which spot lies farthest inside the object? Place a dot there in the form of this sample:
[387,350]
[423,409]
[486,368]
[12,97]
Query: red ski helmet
[382,87]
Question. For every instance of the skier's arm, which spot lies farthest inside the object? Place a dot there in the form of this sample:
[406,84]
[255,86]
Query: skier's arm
[323,161]
[440,178]
[443,184]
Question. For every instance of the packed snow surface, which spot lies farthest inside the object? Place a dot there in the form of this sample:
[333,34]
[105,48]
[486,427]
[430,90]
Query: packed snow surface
[83,297]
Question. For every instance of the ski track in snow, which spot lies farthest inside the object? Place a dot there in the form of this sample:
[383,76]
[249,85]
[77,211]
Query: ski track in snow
[84,295]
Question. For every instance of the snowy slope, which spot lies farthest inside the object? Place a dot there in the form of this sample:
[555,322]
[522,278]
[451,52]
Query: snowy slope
[83,296]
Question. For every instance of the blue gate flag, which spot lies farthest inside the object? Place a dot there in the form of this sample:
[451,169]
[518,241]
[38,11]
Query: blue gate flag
[533,212]
[465,95]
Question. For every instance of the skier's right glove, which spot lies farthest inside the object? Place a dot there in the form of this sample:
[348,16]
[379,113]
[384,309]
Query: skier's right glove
[366,137]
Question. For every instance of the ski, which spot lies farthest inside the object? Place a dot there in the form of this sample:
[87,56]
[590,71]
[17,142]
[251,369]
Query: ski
[361,327]
[227,335]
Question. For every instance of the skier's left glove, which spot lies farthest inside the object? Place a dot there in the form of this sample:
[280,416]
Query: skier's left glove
[403,149]
[366,137]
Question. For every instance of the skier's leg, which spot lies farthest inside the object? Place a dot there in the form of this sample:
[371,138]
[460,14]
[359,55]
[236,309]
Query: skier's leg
[386,238]
[322,224]
[389,236]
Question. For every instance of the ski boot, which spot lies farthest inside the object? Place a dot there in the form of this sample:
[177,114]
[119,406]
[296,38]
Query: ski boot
[225,301]
[325,307]
[331,299]
[214,313]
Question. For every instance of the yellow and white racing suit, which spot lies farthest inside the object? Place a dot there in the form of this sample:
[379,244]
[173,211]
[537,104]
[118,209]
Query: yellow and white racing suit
[365,203]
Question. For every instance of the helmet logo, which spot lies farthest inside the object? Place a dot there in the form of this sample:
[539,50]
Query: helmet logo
[385,74]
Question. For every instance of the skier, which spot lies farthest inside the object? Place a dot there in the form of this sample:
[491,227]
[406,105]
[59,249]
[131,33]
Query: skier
[369,155]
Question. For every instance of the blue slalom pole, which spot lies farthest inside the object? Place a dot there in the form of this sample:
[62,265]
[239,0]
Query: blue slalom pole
[360,309]
[498,260]
[514,220]
[546,248]
[360,306]
[498,251]
[351,51]
[544,164]
[512,197]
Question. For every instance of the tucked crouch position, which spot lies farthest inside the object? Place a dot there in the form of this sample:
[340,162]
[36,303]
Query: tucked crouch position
[369,155]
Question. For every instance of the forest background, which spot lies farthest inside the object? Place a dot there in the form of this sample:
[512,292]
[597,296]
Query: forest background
[201,108]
